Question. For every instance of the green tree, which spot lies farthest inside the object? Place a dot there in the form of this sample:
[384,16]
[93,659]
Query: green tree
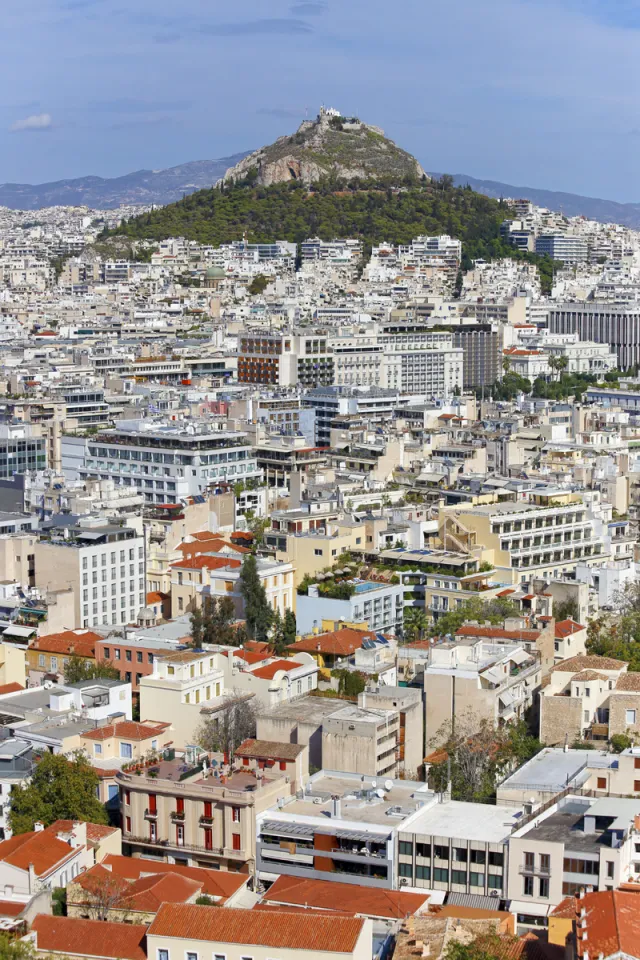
[566,610]
[78,669]
[257,612]
[350,682]
[224,733]
[12,949]
[277,634]
[416,623]
[197,628]
[619,742]
[476,609]
[258,284]
[290,628]
[558,365]
[61,788]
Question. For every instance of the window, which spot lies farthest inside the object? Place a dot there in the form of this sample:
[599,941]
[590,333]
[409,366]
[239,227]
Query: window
[126,751]
[139,656]
[610,868]
[495,881]
[116,654]
[41,660]
[127,655]
[527,887]
[630,717]
[459,876]
[543,887]
[54,663]
[405,869]
[405,848]
[545,862]
[423,873]
[128,824]
[441,852]
[529,860]
[602,783]
[478,856]
[97,749]
[496,859]
[235,814]
[476,879]
[636,785]
[217,956]
[107,653]
[236,841]
[191,956]
[162,955]
[460,854]
[440,875]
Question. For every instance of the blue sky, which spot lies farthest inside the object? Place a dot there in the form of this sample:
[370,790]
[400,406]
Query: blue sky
[534,92]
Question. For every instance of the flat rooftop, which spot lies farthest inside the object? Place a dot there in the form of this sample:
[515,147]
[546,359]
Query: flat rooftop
[566,826]
[552,770]
[465,821]
[306,709]
[359,802]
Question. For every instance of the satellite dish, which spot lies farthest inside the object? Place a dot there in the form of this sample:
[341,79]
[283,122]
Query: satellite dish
[388,785]
[380,794]
[374,784]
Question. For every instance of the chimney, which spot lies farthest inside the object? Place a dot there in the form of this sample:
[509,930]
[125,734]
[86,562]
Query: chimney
[32,878]
[337,807]
[38,826]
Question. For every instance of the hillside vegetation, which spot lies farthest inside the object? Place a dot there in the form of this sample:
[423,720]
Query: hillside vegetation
[372,212]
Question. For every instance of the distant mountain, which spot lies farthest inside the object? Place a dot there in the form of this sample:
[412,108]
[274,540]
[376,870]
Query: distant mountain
[571,204]
[143,186]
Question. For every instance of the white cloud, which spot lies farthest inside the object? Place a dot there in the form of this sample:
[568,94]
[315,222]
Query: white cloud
[35,122]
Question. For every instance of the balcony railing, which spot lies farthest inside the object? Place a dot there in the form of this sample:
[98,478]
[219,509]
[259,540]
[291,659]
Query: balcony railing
[180,845]
[532,869]
[150,814]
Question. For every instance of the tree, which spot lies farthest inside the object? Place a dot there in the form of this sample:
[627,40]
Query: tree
[218,616]
[197,628]
[104,894]
[416,623]
[61,788]
[258,284]
[290,628]
[488,946]
[558,364]
[206,901]
[619,742]
[566,610]
[12,949]
[476,609]
[78,669]
[506,364]
[277,634]
[257,612]
[225,733]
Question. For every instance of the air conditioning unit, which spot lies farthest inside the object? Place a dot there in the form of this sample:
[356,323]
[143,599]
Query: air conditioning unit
[403,881]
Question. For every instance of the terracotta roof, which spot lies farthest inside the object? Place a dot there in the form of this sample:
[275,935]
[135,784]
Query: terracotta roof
[611,923]
[345,897]
[269,672]
[71,936]
[215,883]
[628,681]
[565,628]
[128,729]
[155,597]
[81,643]
[41,849]
[95,831]
[11,908]
[211,545]
[588,661]
[191,922]
[144,894]
[249,656]
[204,561]
[497,632]
[589,675]
[342,642]
[268,749]
[566,908]
[505,593]
[10,688]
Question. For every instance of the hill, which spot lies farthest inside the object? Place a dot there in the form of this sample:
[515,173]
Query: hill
[140,187]
[374,212]
[571,204]
[329,146]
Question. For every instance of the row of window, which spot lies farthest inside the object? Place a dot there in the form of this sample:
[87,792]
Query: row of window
[103,557]
[461,854]
[444,875]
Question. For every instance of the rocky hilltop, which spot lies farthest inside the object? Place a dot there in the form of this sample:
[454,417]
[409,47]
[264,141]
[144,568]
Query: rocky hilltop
[330,145]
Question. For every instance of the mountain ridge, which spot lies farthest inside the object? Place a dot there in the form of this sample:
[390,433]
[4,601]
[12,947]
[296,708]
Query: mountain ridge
[571,204]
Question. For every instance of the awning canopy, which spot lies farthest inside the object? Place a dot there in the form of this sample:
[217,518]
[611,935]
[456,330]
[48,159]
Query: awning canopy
[528,908]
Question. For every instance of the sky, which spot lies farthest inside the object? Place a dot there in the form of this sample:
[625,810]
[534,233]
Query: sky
[542,93]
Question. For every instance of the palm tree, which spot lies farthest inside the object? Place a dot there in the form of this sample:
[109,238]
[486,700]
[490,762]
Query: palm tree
[506,364]
[558,364]
[416,623]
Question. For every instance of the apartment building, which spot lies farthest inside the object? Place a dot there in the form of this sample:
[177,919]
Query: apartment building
[48,656]
[617,324]
[376,606]
[133,658]
[373,403]
[285,360]
[102,562]
[589,697]
[481,345]
[196,577]
[344,828]
[23,449]
[458,847]
[271,679]
[576,842]
[563,247]
[543,537]
[485,679]
[180,810]
[180,686]
[16,767]
[114,746]
[166,460]
[362,740]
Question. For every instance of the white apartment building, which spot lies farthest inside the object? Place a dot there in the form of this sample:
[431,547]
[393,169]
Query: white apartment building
[104,565]
[562,247]
[167,461]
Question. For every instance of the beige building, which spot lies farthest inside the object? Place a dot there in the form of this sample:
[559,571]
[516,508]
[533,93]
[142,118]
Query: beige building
[12,665]
[182,931]
[198,576]
[120,745]
[589,697]
[167,527]
[181,684]
[185,812]
[479,679]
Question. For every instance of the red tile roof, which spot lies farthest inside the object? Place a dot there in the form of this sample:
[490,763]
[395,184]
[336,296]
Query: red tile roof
[588,661]
[81,643]
[11,908]
[144,895]
[10,688]
[41,849]
[95,831]
[269,672]
[498,633]
[155,597]
[128,729]
[342,642]
[215,883]
[71,936]
[206,562]
[345,897]
[187,921]
[611,924]
[565,628]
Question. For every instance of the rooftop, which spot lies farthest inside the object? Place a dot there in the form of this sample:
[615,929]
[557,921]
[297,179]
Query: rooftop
[90,938]
[344,898]
[466,821]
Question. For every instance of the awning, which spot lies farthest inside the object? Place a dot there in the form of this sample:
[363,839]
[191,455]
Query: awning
[530,909]
[520,656]
[475,900]
[506,697]
[16,631]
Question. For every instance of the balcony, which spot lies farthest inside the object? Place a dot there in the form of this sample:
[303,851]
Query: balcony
[177,816]
[167,845]
[206,821]
[534,870]
[150,814]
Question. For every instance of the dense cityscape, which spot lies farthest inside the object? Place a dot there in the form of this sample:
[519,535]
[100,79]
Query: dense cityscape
[319,579]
